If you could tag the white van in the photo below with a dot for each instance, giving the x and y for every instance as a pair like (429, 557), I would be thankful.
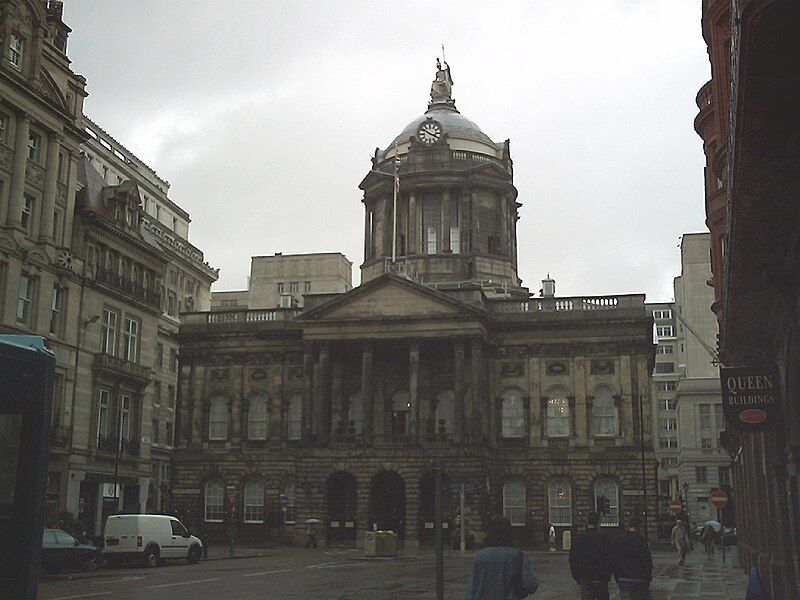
(149, 538)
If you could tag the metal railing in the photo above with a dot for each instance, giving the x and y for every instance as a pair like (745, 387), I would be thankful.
(130, 288)
(110, 443)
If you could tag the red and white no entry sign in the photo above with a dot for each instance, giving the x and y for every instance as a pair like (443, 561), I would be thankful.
(719, 498)
(675, 506)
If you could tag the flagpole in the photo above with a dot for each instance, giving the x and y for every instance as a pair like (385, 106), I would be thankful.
(394, 205)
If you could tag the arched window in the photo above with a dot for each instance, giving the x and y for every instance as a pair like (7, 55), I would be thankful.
(558, 418)
(214, 501)
(444, 412)
(218, 419)
(257, 418)
(254, 502)
(512, 414)
(608, 491)
(295, 416)
(355, 414)
(514, 501)
(287, 501)
(603, 412)
(559, 494)
(401, 412)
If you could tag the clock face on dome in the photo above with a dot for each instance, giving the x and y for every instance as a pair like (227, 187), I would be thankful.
(429, 132)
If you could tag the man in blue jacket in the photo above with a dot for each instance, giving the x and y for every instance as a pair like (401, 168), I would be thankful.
(590, 560)
(632, 563)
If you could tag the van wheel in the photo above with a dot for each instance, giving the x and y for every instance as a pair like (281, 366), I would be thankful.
(151, 556)
(194, 555)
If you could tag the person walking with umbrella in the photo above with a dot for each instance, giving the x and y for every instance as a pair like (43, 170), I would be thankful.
(311, 533)
(709, 536)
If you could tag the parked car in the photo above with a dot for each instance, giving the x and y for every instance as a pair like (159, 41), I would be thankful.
(62, 551)
(150, 539)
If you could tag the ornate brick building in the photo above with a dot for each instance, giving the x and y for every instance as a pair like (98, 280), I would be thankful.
(335, 411)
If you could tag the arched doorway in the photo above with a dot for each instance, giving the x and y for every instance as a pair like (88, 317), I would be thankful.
(427, 509)
(342, 503)
(388, 503)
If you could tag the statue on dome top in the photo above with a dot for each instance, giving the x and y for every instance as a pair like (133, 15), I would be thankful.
(442, 86)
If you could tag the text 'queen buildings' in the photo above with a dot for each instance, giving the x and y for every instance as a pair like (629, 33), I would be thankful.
(336, 411)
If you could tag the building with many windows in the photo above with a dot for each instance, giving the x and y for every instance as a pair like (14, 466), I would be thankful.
(94, 257)
(541, 405)
(283, 280)
(686, 391)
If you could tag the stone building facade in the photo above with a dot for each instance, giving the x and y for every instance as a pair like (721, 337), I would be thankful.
(336, 410)
(749, 127)
(93, 257)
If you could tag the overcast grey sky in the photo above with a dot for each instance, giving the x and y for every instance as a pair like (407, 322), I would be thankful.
(264, 115)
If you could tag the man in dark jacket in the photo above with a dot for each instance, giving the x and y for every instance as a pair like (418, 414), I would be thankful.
(632, 563)
(590, 560)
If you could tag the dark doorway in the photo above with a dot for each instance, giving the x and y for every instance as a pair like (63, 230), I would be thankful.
(342, 503)
(427, 508)
(87, 505)
(388, 503)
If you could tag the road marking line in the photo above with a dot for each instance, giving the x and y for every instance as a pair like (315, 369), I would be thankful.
(320, 565)
(268, 572)
(119, 579)
(163, 585)
(84, 596)
(354, 564)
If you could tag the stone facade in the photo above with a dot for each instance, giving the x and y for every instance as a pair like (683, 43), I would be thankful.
(336, 410)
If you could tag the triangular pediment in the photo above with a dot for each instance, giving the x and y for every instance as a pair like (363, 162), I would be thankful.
(390, 297)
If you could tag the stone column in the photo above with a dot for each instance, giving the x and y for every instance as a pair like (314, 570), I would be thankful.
(49, 196)
(363, 523)
(367, 233)
(475, 429)
(582, 415)
(503, 233)
(413, 387)
(412, 510)
(465, 225)
(324, 395)
(367, 393)
(412, 246)
(474, 224)
(386, 245)
(446, 220)
(307, 416)
(71, 177)
(459, 388)
(17, 190)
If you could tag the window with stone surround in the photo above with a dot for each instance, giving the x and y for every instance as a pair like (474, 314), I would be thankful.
(512, 414)
(604, 414)
(295, 416)
(218, 419)
(558, 413)
(559, 495)
(257, 418)
(432, 223)
(355, 414)
(287, 501)
(608, 489)
(514, 501)
(444, 411)
(254, 502)
(214, 498)
(16, 47)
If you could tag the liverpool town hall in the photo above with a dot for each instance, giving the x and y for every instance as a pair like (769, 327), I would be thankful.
(336, 411)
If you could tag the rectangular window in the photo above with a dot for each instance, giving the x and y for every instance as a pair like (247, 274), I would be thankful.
(665, 367)
(432, 224)
(705, 444)
(108, 342)
(667, 403)
(25, 299)
(3, 128)
(662, 314)
(665, 349)
(159, 354)
(156, 393)
(701, 474)
(33, 147)
(669, 424)
(173, 360)
(663, 331)
(56, 310)
(455, 230)
(307, 287)
(294, 286)
(668, 442)
(719, 419)
(254, 502)
(664, 488)
(131, 340)
(15, 49)
(26, 218)
(170, 396)
(102, 413)
(295, 416)
(169, 433)
(125, 417)
(154, 434)
(279, 287)
(705, 416)
(666, 386)
(171, 303)
(724, 475)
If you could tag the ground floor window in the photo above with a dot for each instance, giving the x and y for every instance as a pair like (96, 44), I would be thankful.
(254, 502)
(214, 502)
(514, 501)
(560, 503)
(608, 491)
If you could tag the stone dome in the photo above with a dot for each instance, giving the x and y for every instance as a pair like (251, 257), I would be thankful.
(455, 125)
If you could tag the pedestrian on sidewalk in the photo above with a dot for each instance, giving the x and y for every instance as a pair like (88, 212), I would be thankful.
(632, 563)
(500, 572)
(680, 539)
(709, 539)
(590, 560)
(311, 537)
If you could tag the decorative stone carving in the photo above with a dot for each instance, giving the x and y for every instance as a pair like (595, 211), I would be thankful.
(64, 259)
(557, 368)
(258, 374)
(602, 366)
(6, 157)
(296, 373)
(219, 374)
(61, 194)
(512, 369)
(34, 174)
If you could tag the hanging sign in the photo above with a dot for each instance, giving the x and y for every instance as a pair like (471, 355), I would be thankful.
(750, 397)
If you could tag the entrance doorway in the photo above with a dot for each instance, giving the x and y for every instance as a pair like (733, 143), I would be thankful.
(427, 509)
(342, 503)
(388, 503)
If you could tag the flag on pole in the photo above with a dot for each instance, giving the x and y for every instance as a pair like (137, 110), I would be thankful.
(397, 163)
